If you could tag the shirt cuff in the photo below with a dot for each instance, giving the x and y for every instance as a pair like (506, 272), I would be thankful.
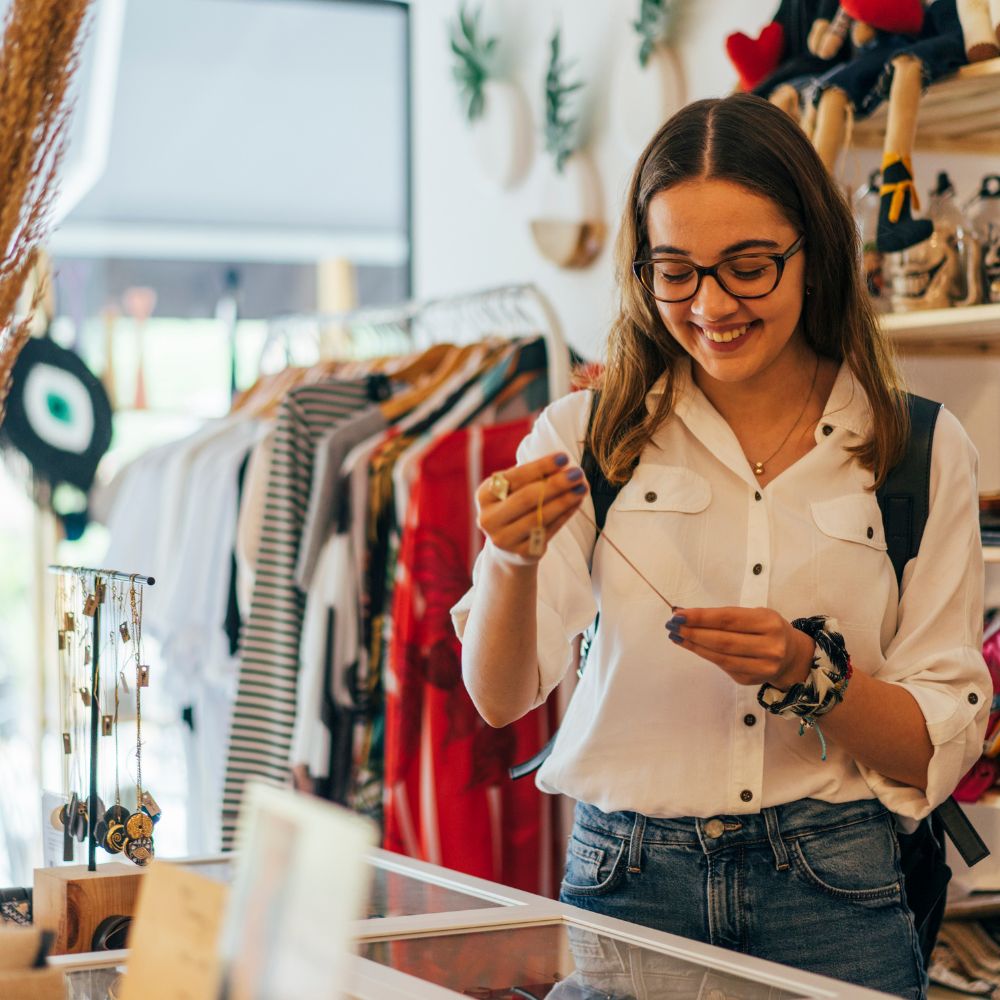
(956, 725)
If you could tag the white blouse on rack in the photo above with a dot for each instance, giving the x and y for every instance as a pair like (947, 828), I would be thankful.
(653, 727)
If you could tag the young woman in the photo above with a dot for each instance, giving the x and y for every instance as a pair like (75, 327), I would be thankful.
(750, 406)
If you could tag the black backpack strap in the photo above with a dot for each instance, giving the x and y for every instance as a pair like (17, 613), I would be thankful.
(602, 493)
(904, 497)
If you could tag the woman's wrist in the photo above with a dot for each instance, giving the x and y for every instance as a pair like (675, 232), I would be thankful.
(802, 660)
(509, 560)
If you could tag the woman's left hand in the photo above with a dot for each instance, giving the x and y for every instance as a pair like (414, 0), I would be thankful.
(752, 645)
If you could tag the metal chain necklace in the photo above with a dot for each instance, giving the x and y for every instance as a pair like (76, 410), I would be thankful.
(758, 467)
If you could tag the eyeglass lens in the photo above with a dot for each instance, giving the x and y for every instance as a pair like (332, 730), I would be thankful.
(674, 280)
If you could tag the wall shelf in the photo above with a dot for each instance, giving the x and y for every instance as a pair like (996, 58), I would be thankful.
(960, 114)
(973, 330)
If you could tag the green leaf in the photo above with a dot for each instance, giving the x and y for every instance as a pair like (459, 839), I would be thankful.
(473, 56)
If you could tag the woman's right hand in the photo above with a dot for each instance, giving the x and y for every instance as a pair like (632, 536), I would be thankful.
(508, 522)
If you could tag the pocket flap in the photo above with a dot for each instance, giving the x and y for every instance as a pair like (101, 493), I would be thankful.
(852, 518)
(665, 487)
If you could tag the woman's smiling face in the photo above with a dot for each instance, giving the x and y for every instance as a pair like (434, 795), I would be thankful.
(703, 221)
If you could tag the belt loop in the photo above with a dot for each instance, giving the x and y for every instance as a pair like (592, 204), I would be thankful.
(635, 843)
(774, 838)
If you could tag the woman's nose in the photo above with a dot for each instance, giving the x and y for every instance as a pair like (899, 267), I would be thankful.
(712, 300)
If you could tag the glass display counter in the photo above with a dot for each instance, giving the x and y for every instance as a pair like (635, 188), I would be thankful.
(433, 934)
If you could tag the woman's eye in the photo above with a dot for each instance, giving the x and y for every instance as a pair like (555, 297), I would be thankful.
(747, 275)
(676, 274)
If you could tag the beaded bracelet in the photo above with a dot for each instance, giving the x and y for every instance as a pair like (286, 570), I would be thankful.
(826, 684)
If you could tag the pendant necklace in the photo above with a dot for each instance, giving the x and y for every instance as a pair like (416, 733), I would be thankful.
(758, 467)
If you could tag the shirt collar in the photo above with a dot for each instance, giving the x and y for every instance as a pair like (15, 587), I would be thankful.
(847, 406)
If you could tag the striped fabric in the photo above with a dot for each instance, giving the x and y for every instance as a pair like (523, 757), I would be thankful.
(264, 712)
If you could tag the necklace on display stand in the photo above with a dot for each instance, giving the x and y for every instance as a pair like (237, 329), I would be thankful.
(112, 828)
(139, 826)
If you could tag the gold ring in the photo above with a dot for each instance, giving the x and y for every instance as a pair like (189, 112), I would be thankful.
(499, 486)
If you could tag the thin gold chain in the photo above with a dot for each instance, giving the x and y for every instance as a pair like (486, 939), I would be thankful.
(641, 575)
(758, 467)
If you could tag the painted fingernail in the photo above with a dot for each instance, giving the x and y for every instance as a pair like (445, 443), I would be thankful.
(562, 459)
(676, 621)
(580, 488)
(674, 637)
(574, 474)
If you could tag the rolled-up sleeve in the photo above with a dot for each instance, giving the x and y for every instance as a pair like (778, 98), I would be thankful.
(566, 604)
(936, 653)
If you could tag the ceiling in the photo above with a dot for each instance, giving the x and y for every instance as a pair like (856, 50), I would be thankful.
(239, 129)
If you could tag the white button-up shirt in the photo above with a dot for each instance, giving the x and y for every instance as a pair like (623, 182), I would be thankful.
(654, 728)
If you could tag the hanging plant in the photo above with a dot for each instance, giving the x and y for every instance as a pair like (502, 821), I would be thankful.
(38, 56)
(474, 61)
(561, 130)
(656, 25)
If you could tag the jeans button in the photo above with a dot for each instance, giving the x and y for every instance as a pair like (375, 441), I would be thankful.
(714, 828)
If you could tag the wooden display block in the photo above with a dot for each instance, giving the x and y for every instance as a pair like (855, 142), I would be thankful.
(72, 901)
(37, 984)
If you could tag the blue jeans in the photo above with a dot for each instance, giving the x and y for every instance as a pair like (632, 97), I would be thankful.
(808, 884)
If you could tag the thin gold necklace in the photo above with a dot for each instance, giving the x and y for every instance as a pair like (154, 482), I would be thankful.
(758, 467)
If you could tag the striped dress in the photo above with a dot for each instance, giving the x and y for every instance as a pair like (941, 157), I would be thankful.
(264, 712)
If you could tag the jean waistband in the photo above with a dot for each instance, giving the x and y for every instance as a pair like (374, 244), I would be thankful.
(801, 818)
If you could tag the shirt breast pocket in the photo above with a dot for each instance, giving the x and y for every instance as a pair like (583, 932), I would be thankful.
(849, 559)
(659, 521)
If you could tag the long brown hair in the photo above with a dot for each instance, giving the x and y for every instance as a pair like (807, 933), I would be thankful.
(745, 140)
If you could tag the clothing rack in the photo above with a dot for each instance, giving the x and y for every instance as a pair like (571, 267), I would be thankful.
(505, 310)
(99, 576)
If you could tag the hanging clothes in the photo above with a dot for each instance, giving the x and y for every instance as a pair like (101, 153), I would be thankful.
(264, 713)
(448, 797)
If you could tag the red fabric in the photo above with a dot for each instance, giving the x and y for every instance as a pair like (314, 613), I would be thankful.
(448, 797)
(756, 58)
(904, 17)
(979, 779)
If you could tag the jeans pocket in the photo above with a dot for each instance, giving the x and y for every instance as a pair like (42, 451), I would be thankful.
(595, 863)
(856, 862)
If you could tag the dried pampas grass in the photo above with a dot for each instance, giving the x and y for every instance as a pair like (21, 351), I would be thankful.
(38, 56)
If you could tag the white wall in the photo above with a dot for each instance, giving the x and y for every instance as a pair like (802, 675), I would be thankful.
(469, 234)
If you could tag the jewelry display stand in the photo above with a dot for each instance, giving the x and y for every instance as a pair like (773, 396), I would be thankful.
(73, 900)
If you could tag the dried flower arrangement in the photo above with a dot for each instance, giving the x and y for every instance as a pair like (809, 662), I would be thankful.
(38, 55)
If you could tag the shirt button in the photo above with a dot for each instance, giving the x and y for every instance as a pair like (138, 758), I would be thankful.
(746, 795)
(758, 569)
(870, 532)
(827, 429)
(650, 497)
(750, 720)
(973, 699)
(757, 495)
(714, 828)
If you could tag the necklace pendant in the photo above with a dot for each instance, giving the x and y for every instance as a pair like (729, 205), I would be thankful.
(758, 468)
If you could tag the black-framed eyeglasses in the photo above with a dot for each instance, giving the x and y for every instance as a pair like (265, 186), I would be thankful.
(744, 275)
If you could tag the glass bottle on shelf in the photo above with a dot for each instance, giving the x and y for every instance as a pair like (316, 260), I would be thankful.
(952, 226)
(984, 216)
(866, 203)
(933, 274)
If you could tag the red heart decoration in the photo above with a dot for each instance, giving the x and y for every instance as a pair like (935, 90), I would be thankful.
(756, 58)
(903, 17)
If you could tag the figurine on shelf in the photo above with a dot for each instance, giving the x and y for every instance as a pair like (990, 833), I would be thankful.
(981, 24)
(912, 46)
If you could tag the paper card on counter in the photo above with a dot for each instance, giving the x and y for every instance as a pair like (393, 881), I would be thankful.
(174, 938)
(301, 880)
